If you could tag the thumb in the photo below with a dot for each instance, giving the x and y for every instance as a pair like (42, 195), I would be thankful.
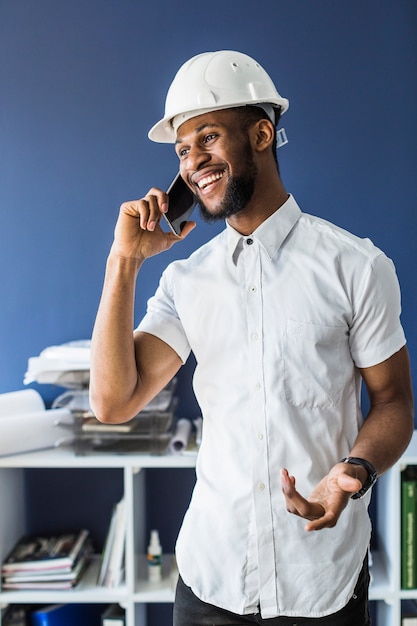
(172, 238)
(349, 484)
(188, 227)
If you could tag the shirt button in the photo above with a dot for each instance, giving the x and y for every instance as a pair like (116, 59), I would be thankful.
(260, 436)
(249, 241)
(254, 336)
(257, 386)
(261, 487)
(253, 288)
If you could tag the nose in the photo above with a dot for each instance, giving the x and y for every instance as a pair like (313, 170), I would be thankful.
(197, 158)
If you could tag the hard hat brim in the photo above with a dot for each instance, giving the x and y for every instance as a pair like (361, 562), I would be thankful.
(164, 132)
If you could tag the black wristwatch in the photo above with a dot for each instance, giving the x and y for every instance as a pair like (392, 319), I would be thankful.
(372, 475)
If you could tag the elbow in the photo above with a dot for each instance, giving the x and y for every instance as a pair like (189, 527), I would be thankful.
(108, 411)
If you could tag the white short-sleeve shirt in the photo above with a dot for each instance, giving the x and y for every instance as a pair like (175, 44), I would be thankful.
(279, 322)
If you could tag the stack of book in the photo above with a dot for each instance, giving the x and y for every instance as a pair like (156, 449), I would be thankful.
(47, 562)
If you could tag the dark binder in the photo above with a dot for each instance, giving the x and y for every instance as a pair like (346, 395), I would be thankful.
(68, 615)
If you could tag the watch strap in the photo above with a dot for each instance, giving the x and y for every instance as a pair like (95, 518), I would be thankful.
(372, 474)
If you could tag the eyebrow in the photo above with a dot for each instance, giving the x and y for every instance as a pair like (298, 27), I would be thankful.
(199, 129)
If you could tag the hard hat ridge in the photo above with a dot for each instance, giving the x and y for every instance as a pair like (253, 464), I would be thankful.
(212, 81)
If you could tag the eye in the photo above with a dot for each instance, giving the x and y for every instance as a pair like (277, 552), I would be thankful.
(209, 137)
(182, 152)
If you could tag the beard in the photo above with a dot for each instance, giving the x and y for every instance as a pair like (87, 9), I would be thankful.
(239, 191)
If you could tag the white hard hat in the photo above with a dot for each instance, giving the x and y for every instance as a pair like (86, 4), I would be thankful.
(212, 81)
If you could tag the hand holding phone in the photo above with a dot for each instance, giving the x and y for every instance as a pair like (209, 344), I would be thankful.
(181, 203)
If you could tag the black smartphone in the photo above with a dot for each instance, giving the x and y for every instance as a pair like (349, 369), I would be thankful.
(180, 205)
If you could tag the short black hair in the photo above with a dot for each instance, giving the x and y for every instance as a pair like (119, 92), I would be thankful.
(249, 114)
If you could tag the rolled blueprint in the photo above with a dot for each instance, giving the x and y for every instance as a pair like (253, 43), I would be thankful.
(24, 401)
(25, 424)
(198, 424)
(181, 436)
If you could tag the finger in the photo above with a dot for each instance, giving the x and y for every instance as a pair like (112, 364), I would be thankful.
(295, 502)
(328, 520)
(152, 206)
(130, 209)
(287, 482)
(149, 213)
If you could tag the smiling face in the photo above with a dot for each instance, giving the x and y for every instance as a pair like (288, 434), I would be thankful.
(216, 160)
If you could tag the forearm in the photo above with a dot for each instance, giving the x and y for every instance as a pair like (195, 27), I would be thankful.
(389, 425)
(113, 373)
(384, 435)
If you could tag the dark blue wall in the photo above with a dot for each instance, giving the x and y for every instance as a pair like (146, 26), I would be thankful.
(82, 81)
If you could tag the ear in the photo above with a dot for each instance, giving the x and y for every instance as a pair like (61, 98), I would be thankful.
(263, 133)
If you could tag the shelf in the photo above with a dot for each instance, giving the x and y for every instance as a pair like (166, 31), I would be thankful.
(58, 457)
(138, 591)
(162, 591)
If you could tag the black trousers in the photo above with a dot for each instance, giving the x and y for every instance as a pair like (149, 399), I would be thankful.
(190, 611)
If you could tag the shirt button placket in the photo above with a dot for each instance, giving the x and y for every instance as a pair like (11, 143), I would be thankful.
(260, 476)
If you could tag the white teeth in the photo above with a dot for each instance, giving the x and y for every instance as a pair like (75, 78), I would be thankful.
(209, 179)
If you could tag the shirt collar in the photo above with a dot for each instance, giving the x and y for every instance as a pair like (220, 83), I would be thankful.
(271, 233)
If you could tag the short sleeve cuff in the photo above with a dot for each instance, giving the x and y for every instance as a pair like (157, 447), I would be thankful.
(168, 331)
(374, 355)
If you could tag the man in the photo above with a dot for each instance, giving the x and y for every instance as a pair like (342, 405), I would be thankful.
(286, 314)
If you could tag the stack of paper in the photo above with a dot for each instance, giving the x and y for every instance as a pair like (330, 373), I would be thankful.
(65, 365)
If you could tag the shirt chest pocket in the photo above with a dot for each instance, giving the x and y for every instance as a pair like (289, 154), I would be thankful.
(317, 363)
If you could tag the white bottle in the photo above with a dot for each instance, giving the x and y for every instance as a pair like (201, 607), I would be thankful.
(154, 558)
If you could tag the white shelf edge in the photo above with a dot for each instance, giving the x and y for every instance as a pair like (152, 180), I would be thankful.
(66, 458)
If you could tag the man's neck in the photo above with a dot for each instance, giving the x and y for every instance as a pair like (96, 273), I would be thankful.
(263, 204)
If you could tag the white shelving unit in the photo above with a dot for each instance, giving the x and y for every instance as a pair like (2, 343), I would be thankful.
(386, 586)
(137, 592)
